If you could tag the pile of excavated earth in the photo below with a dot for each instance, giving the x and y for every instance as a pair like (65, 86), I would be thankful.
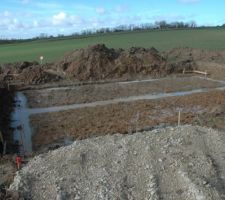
(210, 61)
(175, 163)
(97, 63)
(101, 63)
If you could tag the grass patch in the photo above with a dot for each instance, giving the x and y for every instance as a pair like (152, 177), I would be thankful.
(52, 50)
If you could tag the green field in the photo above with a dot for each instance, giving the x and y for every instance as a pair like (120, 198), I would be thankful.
(211, 38)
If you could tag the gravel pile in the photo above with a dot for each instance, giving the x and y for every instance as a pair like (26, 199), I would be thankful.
(173, 163)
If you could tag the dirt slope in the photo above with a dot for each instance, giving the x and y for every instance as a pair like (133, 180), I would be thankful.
(211, 61)
(27, 73)
(197, 55)
(172, 164)
(37, 75)
(99, 62)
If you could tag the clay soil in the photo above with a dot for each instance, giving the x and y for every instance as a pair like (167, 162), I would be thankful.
(203, 109)
(92, 93)
(211, 61)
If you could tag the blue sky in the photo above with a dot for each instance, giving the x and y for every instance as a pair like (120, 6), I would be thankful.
(30, 18)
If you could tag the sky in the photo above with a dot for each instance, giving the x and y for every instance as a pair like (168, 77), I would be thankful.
(30, 18)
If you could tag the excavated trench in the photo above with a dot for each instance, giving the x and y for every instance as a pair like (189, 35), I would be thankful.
(6, 107)
(22, 133)
(20, 117)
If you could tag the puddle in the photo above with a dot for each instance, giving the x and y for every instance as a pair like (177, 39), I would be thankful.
(21, 125)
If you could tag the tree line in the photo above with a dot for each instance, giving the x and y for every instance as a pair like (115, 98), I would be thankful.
(158, 25)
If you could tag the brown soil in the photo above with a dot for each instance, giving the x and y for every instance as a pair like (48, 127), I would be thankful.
(15, 68)
(99, 62)
(37, 75)
(196, 55)
(91, 93)
(26, 73)
(127, 117)
(211, 61)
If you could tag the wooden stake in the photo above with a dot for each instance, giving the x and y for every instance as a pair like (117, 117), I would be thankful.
(178, 119)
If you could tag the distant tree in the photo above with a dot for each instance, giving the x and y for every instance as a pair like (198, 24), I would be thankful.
(60, 36)
(192, 24)
(161, 24)
(43, 36)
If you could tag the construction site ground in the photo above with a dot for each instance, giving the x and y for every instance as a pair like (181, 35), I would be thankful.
(65, 107)
(52, 127)
(98, 92)
(182, 163)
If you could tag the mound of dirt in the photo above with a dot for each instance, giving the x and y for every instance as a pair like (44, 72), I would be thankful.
(95, 63)
(180, 54)
(27, 73)
(140, 61)
(15, 68)
(211, 61)
(173, 163)
(36, 75)
(99, 62)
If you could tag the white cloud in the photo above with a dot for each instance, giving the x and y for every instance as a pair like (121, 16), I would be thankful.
(59, 18)
(35, 23)
(10, 22)
(6, 13)
(64, 20)
(188, 1)
(101, 10)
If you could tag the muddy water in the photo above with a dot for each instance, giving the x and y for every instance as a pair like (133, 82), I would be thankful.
(21, 125)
